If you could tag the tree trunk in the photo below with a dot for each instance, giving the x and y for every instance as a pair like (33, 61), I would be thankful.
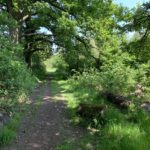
(28, 59)
(14, 34)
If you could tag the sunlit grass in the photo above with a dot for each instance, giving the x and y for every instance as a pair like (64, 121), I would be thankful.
(123, 137)
(118, 133)
(49, 67)
(62, 89)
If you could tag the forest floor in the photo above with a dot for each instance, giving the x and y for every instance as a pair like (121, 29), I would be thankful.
(48, 126)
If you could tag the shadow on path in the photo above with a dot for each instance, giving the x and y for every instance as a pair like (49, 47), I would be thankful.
(49, 126)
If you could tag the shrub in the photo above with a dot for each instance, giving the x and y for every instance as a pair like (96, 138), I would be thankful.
(15, 80)
(117, 77)
(143, 77)
(14, 75)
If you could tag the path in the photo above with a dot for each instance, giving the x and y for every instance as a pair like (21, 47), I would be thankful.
(48, 128)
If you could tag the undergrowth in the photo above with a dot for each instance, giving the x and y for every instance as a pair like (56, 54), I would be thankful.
(122, 131)
(8, 132)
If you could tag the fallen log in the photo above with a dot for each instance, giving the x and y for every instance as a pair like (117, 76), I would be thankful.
(91, 110)
(119, 101)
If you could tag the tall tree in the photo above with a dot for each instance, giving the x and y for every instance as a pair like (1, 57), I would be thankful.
(140, 24)
(71, 25)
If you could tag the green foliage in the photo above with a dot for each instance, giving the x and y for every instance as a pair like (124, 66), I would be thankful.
(16, 80)
(123, 137)
(113, 115)
(86, 34)
(38, 67)
(14, 122)
(142, 119)
(62, 68)
(88, 79)
(14, 75)
(8, 132)
(87, 143)
(119, 131)
(139, 46)
(6, 136)
(6, 22)
(144, 77)
(118, 77)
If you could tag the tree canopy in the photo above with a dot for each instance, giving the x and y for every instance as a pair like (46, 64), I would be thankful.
(68, 25)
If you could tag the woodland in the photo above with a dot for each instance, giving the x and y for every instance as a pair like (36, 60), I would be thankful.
(96, 50)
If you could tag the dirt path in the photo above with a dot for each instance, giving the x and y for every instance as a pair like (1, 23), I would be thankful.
(48, 127)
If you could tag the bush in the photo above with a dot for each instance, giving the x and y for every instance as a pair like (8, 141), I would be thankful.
(15, 80)
(143, 77)
(117, 77)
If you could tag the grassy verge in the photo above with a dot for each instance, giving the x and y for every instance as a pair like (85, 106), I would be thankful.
(9, 131)
(118, 133)
(129, 130)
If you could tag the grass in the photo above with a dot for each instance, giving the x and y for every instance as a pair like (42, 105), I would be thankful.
(6, 136)
(62, 89)
(122, 131)
(123, 137)
(8, 132)
(86, 143)
(117, 134)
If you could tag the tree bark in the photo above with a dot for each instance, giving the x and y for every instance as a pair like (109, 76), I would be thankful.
(13, 31)
(14, 34)
(28, 59)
